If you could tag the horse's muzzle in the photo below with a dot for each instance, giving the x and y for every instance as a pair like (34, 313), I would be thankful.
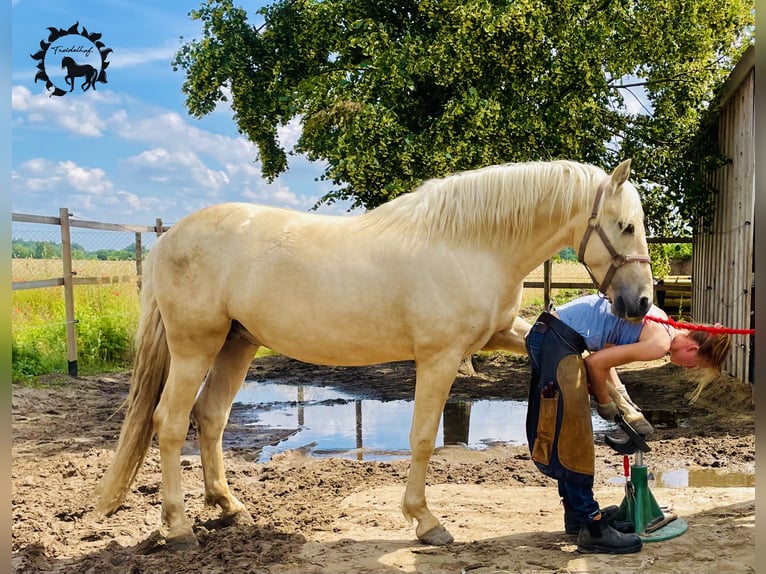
(634, 312)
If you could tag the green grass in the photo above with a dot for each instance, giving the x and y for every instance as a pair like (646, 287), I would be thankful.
(106, 318)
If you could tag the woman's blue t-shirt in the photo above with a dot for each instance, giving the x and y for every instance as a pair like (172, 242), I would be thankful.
(591, 316)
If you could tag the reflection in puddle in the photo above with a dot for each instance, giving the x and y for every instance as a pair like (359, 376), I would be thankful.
(703, 477)
(666, 419)
(696, 478)
(328, 422)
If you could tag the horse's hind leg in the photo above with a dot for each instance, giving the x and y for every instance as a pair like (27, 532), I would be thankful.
(512, 339)
(434, 379)
(171, 423)
(211, 412)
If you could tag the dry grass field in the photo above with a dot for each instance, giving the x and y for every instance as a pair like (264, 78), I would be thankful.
(37, 269)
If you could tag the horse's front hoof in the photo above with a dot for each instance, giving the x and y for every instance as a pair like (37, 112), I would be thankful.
(182, 542)
(437, 536)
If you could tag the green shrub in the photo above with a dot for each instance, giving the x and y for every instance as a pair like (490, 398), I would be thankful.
(660, 260)
(679, 251)
(566, 254)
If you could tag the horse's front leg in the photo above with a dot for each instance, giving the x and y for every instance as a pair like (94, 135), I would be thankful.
(433, 381)
(211, 412)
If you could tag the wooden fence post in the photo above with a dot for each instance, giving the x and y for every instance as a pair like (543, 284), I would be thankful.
(139, 261)
(66, 260)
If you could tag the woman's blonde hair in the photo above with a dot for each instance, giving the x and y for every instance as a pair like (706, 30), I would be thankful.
(713, 348)
(712, 352)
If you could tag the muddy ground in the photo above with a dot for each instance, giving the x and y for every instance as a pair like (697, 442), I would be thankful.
(338, 515)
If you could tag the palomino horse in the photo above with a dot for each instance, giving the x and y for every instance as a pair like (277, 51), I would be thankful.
(433, 275)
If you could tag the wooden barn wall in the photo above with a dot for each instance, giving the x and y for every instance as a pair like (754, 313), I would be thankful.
(722, 263)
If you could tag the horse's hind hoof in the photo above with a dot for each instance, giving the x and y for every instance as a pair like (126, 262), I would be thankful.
(437, 536)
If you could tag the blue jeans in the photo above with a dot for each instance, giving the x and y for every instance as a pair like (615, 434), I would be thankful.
(580, 498)
(534, 343)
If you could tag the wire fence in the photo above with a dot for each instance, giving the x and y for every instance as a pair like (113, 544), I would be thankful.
(99, 267)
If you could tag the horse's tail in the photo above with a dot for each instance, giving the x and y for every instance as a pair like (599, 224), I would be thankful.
(150, 370)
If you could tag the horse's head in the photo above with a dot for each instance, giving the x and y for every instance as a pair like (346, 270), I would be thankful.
(614, 249)
(66, 61)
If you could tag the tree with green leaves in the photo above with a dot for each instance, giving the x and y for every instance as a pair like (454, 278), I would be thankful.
(392, 93)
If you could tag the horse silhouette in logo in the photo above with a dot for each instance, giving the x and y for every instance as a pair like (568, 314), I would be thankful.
(75, 70)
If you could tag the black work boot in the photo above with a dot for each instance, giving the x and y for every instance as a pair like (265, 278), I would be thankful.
(609, 513)
(571, 523)
(598, 537)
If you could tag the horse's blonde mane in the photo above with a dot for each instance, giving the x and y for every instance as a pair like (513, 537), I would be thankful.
(496, 201)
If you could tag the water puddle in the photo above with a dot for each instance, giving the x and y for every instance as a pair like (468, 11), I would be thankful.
(695, 478)
(667, 419)
(326, 422)
(329, 423)
(702, 478)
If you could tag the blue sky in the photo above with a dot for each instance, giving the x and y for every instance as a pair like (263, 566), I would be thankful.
(129, 152)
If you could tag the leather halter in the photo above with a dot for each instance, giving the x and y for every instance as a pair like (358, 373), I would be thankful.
(618, 260)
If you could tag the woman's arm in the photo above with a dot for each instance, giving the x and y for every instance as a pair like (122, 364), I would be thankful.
(600, 365)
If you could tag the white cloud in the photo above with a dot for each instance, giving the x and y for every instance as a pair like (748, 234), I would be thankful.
(40, 174)
(91, 181)
(171, 131)
(131, 199)
(36, 165)
(288, 135)
(148, 161)
(41, 185)
(122, 58)
(181, 167)
(78, 116)
(276, 194)
(36, 176)
(20, 98)
(153, 157)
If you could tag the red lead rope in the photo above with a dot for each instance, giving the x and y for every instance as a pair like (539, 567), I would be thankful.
(692, 327)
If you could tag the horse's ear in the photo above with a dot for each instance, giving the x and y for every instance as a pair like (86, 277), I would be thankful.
(620, 174)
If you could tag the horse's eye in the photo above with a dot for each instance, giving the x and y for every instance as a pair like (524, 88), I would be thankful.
(627, 228)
